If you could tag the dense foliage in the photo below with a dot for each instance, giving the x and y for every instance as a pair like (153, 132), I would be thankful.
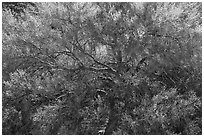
(102, 68)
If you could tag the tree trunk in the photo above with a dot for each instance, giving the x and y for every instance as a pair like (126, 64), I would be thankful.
(54, 129)
(26, 119)
(113, 118)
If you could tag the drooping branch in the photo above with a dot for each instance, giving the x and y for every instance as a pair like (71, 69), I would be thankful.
(68, 53)
(165, 36)
(78, 46)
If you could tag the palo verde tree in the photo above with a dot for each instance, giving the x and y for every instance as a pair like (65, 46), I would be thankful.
(102, 68)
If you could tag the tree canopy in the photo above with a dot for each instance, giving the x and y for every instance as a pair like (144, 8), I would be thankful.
(102, 68)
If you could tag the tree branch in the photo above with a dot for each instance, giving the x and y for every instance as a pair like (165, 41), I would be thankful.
(68, 53)
(78, 46)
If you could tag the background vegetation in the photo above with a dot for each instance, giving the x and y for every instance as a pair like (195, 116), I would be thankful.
(102, 68)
